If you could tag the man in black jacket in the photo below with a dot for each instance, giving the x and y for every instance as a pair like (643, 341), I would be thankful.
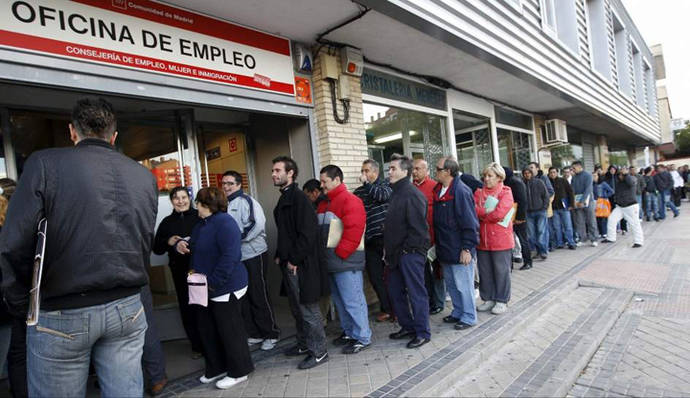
(406, 241)
(520, 223)
(297, 254)
(626, 208)
(563, 201)
(664, 184)
(537, 203)
(101, 209)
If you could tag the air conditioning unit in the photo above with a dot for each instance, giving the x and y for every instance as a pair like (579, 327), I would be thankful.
(556, 132)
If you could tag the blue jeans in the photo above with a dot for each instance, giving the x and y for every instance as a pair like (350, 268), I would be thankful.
(562, 224)
(537, 225)
(460, 285)
(347, 293)
(665, 200)
(639, 203)
(61, 346)
(652, 205)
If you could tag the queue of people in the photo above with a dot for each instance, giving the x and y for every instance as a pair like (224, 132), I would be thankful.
(419, 240)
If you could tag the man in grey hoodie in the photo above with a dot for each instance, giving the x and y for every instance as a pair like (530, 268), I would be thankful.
(584, 220)
(259, 318)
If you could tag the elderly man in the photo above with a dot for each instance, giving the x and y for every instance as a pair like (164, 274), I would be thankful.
(433, 274)
(375, 194)
(457, 232)
(406, 241)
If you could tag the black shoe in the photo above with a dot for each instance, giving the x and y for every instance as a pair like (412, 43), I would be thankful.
(572, 247)
(607, 241)
(636, 245)
(296, 351)
(543, 256)
(676, 215)
(462, 326)
(311, 361)
(450, 319)
(517, 260)
(401, 334)
(435, 310)
(343, 340)
(355, 347)
(417, 342)
(526, 267)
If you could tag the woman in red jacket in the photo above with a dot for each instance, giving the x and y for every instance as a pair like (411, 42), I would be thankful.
(494, 206)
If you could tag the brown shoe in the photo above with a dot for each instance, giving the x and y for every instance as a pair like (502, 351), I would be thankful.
(157, 388)
(383, 317)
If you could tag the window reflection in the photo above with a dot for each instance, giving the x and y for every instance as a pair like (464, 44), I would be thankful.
(392, 130)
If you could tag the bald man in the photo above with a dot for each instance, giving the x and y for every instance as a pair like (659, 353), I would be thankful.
(432, 275)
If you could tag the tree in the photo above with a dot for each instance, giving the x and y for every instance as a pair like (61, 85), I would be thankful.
(683, 140)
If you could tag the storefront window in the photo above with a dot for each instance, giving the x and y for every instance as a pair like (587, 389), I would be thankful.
(565, 155)
(511, 118)
(514, 148)
(394, 130)
(473, 142)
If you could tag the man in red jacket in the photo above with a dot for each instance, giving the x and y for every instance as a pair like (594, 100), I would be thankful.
(432, 275)
(345, 258)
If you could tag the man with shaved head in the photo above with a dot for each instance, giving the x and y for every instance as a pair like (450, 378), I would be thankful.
(432, 274)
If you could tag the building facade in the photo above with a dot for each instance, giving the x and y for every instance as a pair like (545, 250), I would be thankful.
(204, 87)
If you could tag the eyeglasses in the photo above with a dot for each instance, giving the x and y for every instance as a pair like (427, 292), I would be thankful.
(439, 169)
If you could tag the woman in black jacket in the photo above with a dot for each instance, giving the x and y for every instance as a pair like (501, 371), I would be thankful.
(178, 225)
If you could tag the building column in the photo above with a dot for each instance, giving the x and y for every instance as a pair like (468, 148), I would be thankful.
(602, 151)
(344, 145)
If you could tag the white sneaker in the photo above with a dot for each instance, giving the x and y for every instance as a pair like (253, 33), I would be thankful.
(476, 294)
(448, 297)
(205, 380)
(578, 244)
(486, 306)
(269, 344)
(252, 341)
(595, 244)
(228, 382)
(499, 308)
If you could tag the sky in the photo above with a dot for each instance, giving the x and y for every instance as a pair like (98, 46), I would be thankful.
(665, 22)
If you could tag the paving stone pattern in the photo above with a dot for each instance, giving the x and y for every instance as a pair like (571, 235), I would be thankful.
(509, 362)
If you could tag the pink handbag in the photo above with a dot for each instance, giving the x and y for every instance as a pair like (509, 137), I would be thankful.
(198, 289)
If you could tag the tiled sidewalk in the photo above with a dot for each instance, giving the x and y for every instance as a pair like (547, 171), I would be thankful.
(364, 373)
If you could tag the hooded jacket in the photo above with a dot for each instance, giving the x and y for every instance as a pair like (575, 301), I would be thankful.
(249, 216)
(346, 207)
(625, 190)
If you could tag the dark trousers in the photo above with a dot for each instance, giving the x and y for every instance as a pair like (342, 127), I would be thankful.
(259, 318)
(224, 338)
(16, 360)
(521, 232)
(494, 275)
(407, 290)
(373, 250)
(602, 225)
(187, 312)
(152, 359)
(308, 321)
